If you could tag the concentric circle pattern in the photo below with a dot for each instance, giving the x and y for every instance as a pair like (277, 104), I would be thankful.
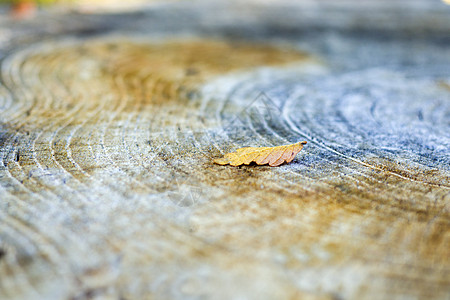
(107, 186)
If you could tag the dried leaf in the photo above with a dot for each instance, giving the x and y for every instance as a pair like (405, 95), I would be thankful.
(274, 156)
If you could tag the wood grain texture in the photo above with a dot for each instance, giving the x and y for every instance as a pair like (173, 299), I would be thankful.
(109, 126)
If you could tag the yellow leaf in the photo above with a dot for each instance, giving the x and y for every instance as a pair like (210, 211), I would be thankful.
(274, 156)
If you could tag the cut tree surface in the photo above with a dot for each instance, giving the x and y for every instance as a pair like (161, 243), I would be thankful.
(109, 125)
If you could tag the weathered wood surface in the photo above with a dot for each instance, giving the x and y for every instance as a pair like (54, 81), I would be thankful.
(110, 124)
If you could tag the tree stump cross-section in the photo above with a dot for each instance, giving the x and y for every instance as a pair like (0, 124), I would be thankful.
(109, 125)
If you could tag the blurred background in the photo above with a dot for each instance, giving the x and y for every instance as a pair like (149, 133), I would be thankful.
(28, 8)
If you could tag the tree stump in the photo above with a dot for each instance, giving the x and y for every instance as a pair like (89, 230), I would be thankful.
(109, 125)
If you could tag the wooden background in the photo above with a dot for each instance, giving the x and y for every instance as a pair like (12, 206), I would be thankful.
(109, 124)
